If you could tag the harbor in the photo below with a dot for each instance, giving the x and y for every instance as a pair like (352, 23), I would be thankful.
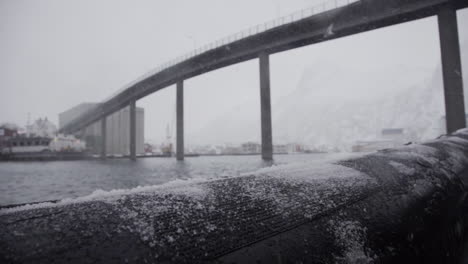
(257, 132)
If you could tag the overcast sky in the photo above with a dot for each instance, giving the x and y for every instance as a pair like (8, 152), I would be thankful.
(56, 54)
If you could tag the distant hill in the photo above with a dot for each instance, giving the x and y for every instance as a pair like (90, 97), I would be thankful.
(334, 106)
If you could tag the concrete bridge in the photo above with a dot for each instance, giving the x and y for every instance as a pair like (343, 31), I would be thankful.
(334, 19)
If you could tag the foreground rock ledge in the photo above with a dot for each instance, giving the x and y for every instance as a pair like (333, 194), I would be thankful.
(398, 205)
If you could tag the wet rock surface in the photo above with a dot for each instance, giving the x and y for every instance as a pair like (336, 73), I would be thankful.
(400, 204)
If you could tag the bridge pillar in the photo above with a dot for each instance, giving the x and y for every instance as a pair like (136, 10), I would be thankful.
(103, 137)
(265, 107)
(133, 130)
(180, 120)
(451, 69)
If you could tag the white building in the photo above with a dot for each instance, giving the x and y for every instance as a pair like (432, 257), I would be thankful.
(390, 138)
(394, 134)
(251, 148)
(280, 149)
(42, 128)
(117, 126)
(62, 143)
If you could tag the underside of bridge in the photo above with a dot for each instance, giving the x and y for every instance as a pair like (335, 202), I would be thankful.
(354, 18)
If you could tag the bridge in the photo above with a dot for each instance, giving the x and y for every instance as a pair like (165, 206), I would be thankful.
(331, 20)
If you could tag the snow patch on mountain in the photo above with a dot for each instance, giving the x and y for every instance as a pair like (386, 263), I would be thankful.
(336, 105)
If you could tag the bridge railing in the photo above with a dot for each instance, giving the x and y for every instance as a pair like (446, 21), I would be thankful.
(257, 29)
(296, 16)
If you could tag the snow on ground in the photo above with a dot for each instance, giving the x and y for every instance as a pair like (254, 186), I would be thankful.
(351, 236)
(297, 171)
(297, 191)
(177, 187)
(410, 152)
(402, 168)
(462, 131)
(311, 170)
(458, 158)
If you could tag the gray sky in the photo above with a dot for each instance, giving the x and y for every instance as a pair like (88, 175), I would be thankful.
(58, 53)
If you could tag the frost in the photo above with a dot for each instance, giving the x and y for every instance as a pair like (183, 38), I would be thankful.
(310, 170)
(457, 159)
(178, 187)
(420, 152)
(170, 239)
(210, 227)
(140, 225)
(458, 140)
(27, 207)
(462, 131)
(402, 168)
(316, 186)
(350, 235)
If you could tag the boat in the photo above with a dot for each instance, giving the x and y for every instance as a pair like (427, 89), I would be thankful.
(60, 147)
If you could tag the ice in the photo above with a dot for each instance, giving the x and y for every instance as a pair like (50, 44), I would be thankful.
(412, 152)
(462, 131)
(179, 187)
(402, 168)
(351, 236)
(311, 170)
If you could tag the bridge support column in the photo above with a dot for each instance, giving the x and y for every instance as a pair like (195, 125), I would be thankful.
(133, 130)
(103, 137)
(451, 69)
(265, 107)
(180, 120)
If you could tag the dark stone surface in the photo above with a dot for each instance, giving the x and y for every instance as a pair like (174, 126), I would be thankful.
(406, 204)
(418, 214)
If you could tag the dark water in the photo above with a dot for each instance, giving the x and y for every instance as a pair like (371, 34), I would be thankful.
(22, 182)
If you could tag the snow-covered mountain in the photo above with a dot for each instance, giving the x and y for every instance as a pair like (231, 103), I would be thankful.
(333, 106)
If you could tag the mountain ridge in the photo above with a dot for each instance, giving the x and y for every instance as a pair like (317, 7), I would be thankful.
(321, 113)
